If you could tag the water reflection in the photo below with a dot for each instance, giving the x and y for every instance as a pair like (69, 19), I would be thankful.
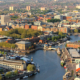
(49, 63)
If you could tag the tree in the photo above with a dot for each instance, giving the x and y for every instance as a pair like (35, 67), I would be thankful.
(76, 30)
(16, 72)
(0, 77)
(31, 67)
(60, 33)
(53, 20)
(48, 38)
(8, 74)
(65, 45)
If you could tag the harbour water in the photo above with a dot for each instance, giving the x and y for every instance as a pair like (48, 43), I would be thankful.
(49, 62)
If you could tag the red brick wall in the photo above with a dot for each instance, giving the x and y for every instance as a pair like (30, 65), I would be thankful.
(68, 17)
(26, 26)
(34, 27)
(73, 45)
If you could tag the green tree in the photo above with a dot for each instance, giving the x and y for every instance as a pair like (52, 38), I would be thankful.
(53, 20)
(0, 77)
(48, 38)
(8, 74)
(31, 67)
(16, 72)
(76, 30)
(60, 33)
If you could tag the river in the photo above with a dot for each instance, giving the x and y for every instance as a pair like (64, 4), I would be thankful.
(49, 62)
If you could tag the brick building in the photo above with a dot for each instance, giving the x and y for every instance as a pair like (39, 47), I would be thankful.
(73, 45)
(34, 27)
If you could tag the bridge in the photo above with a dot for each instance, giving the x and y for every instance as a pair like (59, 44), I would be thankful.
(51, 48)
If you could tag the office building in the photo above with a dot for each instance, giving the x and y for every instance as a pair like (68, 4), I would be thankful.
(5, 19)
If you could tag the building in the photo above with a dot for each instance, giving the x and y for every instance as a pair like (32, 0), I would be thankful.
(5, 19)
(77, 67)
(12, 64)
(57, 17)
(63, 29)
(42, 8)
(75, 56)
(77, 78)
(11, 8)
(34, 27)
(73, 45)
(2, 28)
(28, 8)
(23, 45)
(38, 23)
(27, 26)
(14, 26)
(78, 6)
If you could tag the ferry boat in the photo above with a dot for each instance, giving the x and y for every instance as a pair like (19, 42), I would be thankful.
(62, 63)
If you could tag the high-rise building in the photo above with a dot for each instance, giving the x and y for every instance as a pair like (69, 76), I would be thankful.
(28, 8)
(11, 8)
(5, 19)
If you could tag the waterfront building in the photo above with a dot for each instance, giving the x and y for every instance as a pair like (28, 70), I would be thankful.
(12, 64)
(73, 45)
(23, 45)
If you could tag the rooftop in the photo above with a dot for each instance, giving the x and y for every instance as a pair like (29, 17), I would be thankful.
(74, 53)
(23, 42)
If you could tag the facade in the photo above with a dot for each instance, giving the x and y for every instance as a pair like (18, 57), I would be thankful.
(10, 64)
(34, 27)
(11, 8)
(42, 8)
(57, 17)
(23, 45)
(14, 26)
(28, 8)
(78, 6)
(5, 19)
(38, 23)
(73, 45)
(63, 29)
(40, 28)
(27, 26)
(76, 78)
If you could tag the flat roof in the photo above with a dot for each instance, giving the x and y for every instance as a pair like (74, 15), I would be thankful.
(74, 53)
(23, 42)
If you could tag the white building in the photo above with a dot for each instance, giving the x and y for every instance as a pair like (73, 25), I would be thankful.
(78, 6)
(5, 19)
(77, 78)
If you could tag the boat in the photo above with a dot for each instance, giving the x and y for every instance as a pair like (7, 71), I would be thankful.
(65, 67)
(25, 77)
(30, 75)
(17, 79)
(38, 70)
(35, 72)
(62, 63)
(58, 51)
